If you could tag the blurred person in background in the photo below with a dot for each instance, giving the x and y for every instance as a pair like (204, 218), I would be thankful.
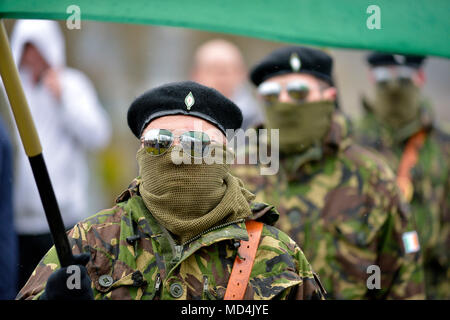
(70, 122)
(337, 200)
(398, 123)
(219, 64)
(8, 238)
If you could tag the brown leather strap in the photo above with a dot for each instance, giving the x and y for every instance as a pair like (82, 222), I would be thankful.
(243, 264)
(407, 162)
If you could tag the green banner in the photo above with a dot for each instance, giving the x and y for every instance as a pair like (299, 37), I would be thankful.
(400, 26)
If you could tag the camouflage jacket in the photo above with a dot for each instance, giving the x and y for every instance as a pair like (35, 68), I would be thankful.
(140, 259)
(430, 177)
(344, 210)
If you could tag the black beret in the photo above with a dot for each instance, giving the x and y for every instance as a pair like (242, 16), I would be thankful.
(382, 59)
(293, 59)
(183, 98)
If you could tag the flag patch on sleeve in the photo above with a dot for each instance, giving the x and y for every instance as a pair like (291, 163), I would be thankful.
(411, 241)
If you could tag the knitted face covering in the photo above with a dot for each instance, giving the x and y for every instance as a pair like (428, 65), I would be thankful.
(188, 199)
(301, 125)
(397, 104)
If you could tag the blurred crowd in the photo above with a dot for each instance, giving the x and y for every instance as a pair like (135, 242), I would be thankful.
(86, 147)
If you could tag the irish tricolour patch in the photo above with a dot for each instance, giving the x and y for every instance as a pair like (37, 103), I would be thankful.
(411, 241)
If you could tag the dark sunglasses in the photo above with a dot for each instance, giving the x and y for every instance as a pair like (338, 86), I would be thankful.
(270, 91)
(158, 141)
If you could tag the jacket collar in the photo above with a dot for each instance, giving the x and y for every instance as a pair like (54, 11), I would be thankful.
(390, 136)
(172, 252)
(336, 140)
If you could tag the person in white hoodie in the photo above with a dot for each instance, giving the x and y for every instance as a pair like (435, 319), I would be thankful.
(70, 122)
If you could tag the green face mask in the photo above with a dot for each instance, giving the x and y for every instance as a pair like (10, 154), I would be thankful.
(397, 103)
(301, 125)
(188, 199)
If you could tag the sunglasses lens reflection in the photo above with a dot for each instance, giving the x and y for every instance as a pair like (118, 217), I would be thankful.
(195, 143)
(157, 141)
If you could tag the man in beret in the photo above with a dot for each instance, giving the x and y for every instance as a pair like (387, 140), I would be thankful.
(398, 123)
(182, 227)
(336, 199)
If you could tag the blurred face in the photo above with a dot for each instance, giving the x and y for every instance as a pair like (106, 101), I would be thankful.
(300, 106)
(221, 75)
(397, 94)
(384, 74)
(33, 61)
(179, 124)
(295, 88)
(219, 65)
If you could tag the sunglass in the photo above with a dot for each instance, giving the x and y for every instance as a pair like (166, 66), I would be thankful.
(402, 74)
(158, 141)
(270, 91)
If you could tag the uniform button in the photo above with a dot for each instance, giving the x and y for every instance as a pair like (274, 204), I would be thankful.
(176, 290)
(105, 280)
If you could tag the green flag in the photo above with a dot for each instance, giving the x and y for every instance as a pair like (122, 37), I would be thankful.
(400, 26)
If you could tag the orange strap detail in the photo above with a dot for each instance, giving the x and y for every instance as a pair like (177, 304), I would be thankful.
(242, 268)
(407, 162)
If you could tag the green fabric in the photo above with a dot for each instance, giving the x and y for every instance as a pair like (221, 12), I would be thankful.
(415, 27)
(301, 125)
(188, 199)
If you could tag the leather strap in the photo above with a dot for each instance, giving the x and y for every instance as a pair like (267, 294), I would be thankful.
(243, 264)
(407, 162)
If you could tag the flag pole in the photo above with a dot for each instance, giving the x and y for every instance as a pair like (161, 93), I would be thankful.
(33, 149)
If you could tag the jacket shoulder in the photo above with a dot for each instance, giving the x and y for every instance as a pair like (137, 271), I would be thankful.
(94, 231)
(111, 215)
(442, 137)
(368, 160)
(281, 269)
(264, 213)
(102, 231)
(377, 182)
(278, 248)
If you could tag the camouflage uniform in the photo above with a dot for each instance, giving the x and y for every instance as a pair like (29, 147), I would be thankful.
(344, 210)
(430, 203)
(127, 244)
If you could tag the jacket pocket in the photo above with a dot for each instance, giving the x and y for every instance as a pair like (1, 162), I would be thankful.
(113, 279)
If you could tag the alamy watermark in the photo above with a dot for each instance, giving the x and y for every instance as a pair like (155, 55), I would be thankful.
(74, 280)
(250, 147)
(374, 280)
(73, 21)
(374, 20)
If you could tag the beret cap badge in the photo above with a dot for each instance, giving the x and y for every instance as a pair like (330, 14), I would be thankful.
(295, 62)
(189, 101)
(293, 59)
(399, 58)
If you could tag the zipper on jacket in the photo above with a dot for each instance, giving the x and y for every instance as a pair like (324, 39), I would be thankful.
(205, 287)
(157, 285)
